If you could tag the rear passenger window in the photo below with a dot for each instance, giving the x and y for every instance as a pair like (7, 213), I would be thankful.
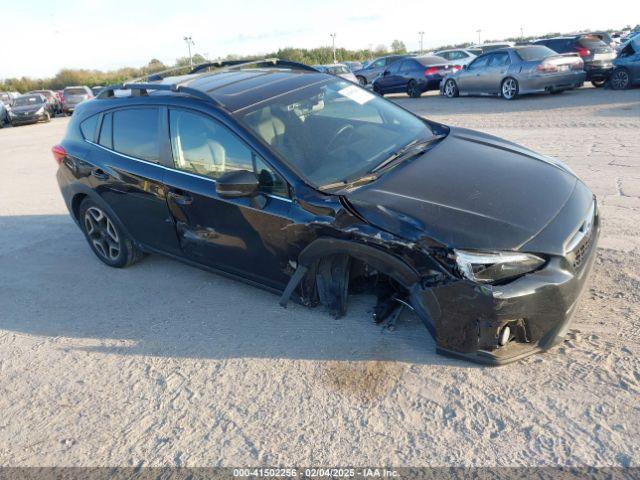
(88, 128)
(106, 131)
(135, 133)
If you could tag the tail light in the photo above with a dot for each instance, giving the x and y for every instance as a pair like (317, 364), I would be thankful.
(431, 71)
(58, 153)
(546, 68)
(456, 68)
(584, 52)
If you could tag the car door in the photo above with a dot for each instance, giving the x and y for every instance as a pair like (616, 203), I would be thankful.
(409, 70)
(469, 79)
(126, 172)
(375, 69)
(241, 236)
(494, 72)
(390, 79)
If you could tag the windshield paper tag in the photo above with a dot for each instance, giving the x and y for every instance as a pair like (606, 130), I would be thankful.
(356, 94)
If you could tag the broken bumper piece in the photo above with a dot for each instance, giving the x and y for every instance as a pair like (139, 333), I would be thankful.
(496, 325)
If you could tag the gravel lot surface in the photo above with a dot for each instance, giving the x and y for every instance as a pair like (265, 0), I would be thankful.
(164, 364)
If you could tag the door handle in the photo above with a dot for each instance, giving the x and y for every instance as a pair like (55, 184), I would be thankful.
(99, 174)
(180, 197)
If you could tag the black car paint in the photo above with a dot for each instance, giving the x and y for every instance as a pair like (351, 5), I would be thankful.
(396, 77)
(282, 243)
(25, 114)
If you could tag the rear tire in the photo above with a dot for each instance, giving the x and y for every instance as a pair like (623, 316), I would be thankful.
(510, 88)
(555, 92)
(450, 89)
(413, 90)
(361, 80)
(107, 240)
(598, 83)
(620, 79)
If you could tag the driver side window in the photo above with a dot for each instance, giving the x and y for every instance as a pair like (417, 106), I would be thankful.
(479, 62)
(394, 68)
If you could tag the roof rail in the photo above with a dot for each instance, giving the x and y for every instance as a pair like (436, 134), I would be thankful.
(155, 76)
(258, 63)
(142, 89)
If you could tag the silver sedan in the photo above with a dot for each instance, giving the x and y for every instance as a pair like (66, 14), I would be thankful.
(514, 71)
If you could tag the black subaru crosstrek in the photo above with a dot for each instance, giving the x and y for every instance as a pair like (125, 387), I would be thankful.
(314, 188)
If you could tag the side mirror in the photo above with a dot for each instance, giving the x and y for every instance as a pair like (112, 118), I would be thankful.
(385, 73)
(241, 183)
(465, 66)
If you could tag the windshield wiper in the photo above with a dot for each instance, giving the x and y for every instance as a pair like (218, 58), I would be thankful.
(411, 149)
(345, 184)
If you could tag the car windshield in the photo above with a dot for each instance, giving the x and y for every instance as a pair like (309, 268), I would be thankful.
(336, 69)
(75, 91)
(28, 100)
(538, 52)
(334, 131)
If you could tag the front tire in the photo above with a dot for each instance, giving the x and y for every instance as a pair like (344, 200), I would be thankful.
(510, 88)
(361, 80)
(598, 83)
(377, 90)
(450, 89)
(413, 90)
(107, 240)
(620, 79)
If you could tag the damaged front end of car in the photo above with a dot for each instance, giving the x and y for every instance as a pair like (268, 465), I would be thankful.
(525, 309)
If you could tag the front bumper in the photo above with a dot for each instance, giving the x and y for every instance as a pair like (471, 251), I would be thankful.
(552, 82)
(431, 82)
(538, 307)
(26, 119)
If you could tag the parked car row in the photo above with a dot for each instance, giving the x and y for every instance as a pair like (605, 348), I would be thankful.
(40, 105)
(550, 65)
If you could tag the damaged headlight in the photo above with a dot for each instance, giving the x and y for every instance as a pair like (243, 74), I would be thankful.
(489, 267)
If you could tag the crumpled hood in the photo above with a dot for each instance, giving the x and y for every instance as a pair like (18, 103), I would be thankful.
(471, 190)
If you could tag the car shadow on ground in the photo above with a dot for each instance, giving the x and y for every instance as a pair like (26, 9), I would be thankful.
(52, 285)
(434, 104)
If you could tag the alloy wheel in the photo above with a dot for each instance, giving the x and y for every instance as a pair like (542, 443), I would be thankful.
(509, 88)
(620, 80)
(413, 90)
(450, 89)
(102, 233)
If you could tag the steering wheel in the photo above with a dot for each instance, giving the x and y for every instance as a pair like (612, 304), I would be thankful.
(342, 131)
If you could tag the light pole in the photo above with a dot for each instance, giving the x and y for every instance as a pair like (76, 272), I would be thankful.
(333, 46)
(478, 32)
(521, 34)
(190, 42)
(421, 38)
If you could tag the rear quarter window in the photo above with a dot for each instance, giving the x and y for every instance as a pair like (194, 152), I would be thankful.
(88, 128)
(136, 132)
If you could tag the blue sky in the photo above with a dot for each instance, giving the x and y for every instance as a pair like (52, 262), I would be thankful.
(107, 34)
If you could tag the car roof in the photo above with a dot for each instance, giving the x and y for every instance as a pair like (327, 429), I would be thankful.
(238, 89)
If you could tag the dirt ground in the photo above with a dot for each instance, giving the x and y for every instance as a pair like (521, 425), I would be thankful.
(164, 364)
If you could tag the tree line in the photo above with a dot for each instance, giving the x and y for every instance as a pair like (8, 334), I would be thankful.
(92, 78)
(313, 56)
